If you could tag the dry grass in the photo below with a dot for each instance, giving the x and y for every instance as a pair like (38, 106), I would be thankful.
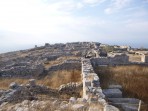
(58, 61)
(53, 81)
(61, 77)
(133, 79)
(5, 82)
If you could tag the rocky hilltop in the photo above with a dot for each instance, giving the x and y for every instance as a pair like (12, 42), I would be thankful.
(30, 63)
(68, 70)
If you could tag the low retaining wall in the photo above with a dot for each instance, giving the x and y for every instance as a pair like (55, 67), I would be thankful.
(92, 91)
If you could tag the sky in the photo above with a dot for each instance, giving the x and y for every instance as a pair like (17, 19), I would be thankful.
(26, 23)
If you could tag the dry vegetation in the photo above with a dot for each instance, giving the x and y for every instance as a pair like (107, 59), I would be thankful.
(133, 79)
(5, 82)
(58, 61)
(61, 77)
(54, 81)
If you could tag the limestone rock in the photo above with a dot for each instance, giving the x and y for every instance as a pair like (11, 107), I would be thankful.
(13, 85)
(110, 108)
(78, 107)
(72, 100)
(32, 82)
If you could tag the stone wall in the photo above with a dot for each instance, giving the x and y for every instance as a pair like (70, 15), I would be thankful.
(22, 71)
(66, 65)
(144, 58)
(115, 60)
(92, 91)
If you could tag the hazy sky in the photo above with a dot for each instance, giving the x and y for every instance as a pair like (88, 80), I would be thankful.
(24, 23)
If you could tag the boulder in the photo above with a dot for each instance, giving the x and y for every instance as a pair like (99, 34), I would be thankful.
(13, 85)
(72, 100)
(32, 82)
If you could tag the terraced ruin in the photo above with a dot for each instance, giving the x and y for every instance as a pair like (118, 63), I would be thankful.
(66, 77)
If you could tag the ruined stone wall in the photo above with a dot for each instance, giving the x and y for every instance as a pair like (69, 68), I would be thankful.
(144, 58)
(116, 60)
(22, 71)
(66, 65)
(92, 91)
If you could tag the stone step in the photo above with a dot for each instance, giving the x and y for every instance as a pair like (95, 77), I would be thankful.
(127, 104)
(124, 100)
(129, 107)
(115, 87)
(112, 93)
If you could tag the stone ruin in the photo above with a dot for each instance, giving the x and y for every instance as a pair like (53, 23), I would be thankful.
(30, 64)
(121, 59)
(92, 91)
(18, 93)
(144, 58)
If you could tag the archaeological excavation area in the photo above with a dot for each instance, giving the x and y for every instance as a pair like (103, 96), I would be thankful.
(78, 76)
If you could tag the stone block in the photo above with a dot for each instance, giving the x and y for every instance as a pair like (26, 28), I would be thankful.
(127, 104)
(124, 100)
(112, 93)
(129, 107)
(110, 108)
(115, 87)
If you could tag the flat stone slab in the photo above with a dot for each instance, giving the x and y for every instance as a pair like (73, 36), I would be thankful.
(129, 107)
(124, 100)
(127, 104)
(112, 93)
(115, 87)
